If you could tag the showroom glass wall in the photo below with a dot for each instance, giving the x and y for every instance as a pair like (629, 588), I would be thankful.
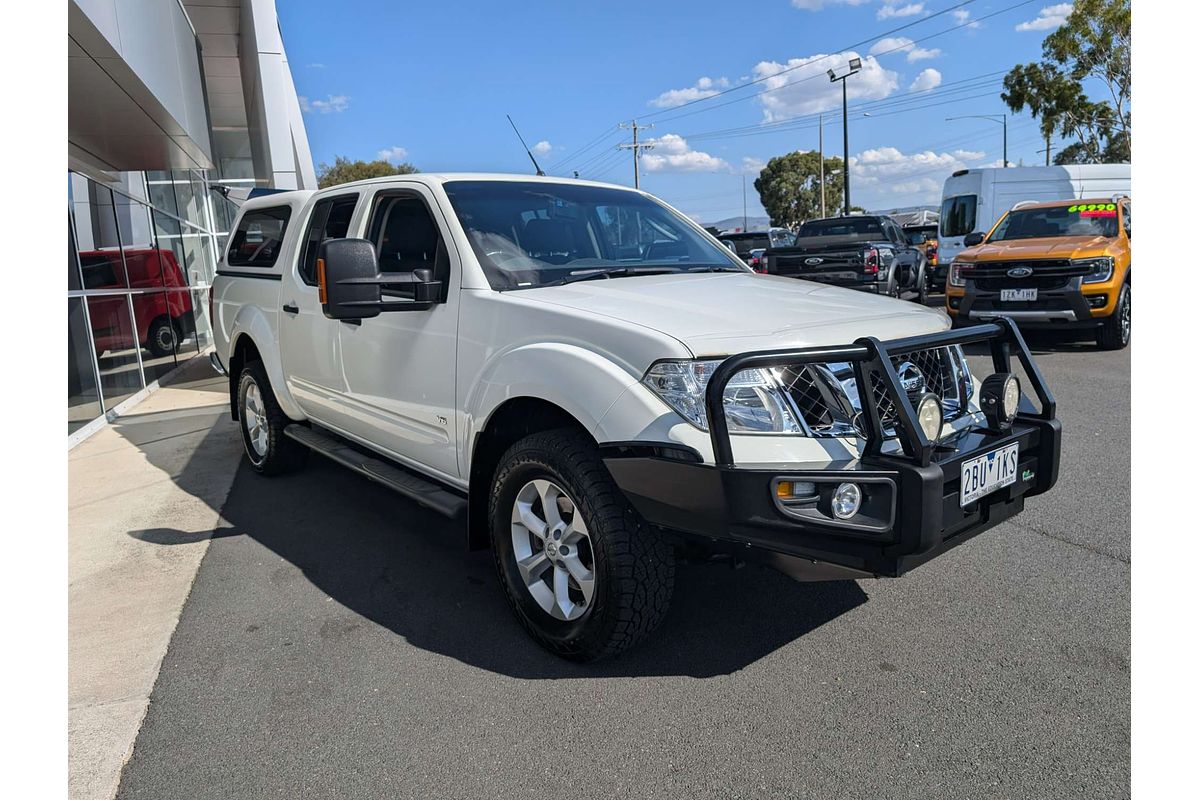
(143, 252)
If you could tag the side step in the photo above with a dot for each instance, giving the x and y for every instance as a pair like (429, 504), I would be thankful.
(420, 490)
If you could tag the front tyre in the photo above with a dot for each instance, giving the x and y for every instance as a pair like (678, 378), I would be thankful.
(1116, 331)
(262, 421)
(584, 576)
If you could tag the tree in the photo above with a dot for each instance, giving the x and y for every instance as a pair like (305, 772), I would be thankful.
(344, 170)
(1092, 45)
(789, 187)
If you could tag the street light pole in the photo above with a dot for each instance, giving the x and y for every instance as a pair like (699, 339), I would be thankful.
(821, 155)
(1001, 118)
(855, 66)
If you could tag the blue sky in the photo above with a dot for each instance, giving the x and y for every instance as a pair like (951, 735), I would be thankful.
(431, 82)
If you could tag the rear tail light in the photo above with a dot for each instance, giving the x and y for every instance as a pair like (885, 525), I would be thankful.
(758, 264)
(870, 258)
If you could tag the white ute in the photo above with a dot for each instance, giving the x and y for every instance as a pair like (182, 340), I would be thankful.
(591, 384)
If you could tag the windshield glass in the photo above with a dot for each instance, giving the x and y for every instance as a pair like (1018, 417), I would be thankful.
(528, 234)
(1085, 219)
(958, 215)
(845, 226)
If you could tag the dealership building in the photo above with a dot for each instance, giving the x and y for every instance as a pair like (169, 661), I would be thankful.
(176, 109)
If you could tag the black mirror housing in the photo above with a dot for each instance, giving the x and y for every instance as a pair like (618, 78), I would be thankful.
(972, 239)
(347, 277)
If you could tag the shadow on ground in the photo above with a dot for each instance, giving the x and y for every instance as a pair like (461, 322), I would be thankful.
(408, 570)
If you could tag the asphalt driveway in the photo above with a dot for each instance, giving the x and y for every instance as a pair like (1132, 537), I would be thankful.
(340, 642)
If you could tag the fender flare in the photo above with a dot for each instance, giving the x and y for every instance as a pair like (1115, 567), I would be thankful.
(581, 382)
(253, 323)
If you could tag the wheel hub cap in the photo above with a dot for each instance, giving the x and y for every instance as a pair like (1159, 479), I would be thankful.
(553, 550)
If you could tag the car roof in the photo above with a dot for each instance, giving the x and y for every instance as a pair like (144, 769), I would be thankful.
(433, 178)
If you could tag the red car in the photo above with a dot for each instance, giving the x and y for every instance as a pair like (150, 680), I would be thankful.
(161, 318)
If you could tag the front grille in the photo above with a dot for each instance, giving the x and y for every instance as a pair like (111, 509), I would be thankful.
(1044, 282)
(827, 395)
(1060, 268)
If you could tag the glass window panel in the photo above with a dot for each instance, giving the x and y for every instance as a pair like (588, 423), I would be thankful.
(159, 331)
(162, 192)
(83, 400)
(73, 281)
(187, 200)
(183, 311)
(98, 241)
(113, 343)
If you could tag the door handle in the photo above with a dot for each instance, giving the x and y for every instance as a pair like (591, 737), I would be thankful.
(291, 308)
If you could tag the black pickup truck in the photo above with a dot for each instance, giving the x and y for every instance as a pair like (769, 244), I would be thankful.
(864, 252)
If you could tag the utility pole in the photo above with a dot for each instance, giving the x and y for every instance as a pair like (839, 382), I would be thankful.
(1047, 150)
(637, 148)
(1000, 118)
(821, 155)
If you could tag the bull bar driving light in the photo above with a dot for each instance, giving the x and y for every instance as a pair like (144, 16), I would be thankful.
(929, 416)
(847, 499)
(999, 397)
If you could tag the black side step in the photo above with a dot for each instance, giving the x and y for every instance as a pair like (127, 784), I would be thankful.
(421, 490)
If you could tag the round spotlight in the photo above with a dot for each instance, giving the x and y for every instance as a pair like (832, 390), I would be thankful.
(929, 416)
(847, 499)
(999, 397)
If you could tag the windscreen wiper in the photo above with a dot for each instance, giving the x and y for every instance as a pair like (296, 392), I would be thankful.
(612, 272)
(717, 268)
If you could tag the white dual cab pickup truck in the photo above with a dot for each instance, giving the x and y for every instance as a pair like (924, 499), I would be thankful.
(590, 384)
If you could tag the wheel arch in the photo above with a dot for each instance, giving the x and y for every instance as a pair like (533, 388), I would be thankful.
(254, 336)
(511, 421)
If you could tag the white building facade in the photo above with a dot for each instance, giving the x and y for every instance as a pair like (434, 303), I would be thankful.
(174, 108)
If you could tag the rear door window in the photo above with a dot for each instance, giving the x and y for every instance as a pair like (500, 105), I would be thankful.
(259, 237)
(330, 220)
(958, 215)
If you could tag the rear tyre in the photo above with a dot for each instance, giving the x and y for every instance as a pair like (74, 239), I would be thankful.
(584, 575)
(1117, 331)
(163, 339)
(262, 421)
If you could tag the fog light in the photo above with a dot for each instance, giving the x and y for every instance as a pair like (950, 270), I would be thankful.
(1097, 300)
(847, 499)
(929, 416)
(999, 397)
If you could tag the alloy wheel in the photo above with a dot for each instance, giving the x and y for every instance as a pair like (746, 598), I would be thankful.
(255, 420)
(553, 550)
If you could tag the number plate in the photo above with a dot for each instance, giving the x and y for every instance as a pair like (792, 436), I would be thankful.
(1017, 295)
(987, 473)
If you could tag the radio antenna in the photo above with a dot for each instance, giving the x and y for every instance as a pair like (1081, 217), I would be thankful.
(528, 152)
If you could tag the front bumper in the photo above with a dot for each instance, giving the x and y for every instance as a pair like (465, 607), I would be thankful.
(917, 514)
(1066, 308)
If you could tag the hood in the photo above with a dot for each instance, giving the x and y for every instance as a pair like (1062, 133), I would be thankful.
(1044, 247)
(724, 313)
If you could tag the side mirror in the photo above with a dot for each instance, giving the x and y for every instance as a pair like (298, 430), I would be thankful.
(349, 282)
(972, 239)
(347, 273)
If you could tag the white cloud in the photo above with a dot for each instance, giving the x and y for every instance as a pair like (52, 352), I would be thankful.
(705, 87)
(672, 153)
(902, 44)
(752, 164)
(892, 8)
(333, 104)
(928, 79)
(1049, 17)
(961, 15)
(392, 154)
(806, 90)
(542, 148)
(884, 174)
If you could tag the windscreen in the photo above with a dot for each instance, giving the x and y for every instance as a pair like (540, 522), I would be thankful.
(1085, 219)
(529, 234)
(845, 226)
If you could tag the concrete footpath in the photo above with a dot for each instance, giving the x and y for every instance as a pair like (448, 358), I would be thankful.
(144, 499)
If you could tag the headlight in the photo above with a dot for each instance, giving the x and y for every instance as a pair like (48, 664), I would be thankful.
(956, 278)
(754, 400)
(1101, 269)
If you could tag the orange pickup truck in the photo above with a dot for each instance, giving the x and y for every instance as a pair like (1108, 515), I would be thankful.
(1061, 265)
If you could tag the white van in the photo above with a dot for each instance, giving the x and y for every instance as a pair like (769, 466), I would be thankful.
(974, 199)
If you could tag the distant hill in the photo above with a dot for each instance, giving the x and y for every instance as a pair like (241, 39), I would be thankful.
(752, 223)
